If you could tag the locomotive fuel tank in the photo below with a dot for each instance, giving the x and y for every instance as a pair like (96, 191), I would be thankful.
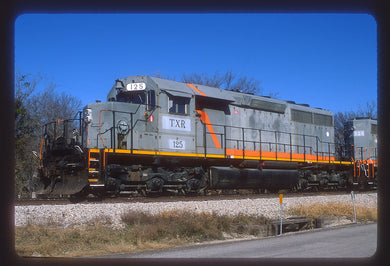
(246, 178)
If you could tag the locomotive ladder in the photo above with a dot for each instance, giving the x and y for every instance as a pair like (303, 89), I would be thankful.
(95, 157)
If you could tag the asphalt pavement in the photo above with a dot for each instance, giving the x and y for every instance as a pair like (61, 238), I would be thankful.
(353, 241)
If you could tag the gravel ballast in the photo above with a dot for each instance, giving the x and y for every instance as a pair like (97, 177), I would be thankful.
(83, 213)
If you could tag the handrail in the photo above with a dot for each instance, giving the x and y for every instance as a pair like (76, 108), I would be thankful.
(64, 134)
(113, 127)
(225, 140)
(318, 150)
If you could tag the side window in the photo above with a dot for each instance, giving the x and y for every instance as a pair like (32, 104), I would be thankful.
(178, 105)
(151, 100)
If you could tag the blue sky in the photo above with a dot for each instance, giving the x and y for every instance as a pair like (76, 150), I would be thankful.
(324, 60)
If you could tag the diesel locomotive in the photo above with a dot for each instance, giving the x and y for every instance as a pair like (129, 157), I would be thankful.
(154, 135)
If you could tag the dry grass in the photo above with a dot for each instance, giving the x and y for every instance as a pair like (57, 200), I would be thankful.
(67, 242)
(185, 225)
(144, 231)
(141, 232)
(336, 209)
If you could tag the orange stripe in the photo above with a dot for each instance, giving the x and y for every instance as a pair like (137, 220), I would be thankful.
(104, 159)
(280, 155)
(89, 158)
(40, 151)
(205, 119)
(196, 89)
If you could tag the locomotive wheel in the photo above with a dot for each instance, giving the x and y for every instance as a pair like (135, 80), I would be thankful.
(155, 185)
(192, 186)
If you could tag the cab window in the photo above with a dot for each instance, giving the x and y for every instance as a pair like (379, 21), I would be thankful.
(178, 105)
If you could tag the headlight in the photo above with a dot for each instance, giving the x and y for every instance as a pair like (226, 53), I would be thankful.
(123, 127)
(88, 115)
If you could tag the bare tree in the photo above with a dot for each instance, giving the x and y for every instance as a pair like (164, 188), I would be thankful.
(49, 105)
(370, 110)
(216, 80)
(161, 75)
(228, 81)
(25, 127)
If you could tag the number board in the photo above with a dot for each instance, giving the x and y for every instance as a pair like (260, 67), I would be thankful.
(177, 144)
(136, 86)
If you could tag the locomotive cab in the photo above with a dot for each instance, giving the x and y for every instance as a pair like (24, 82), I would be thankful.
(134, 93)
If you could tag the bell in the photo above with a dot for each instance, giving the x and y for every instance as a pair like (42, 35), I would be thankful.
(119, 85)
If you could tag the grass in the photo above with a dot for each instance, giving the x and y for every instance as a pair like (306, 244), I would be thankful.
(144, 231)
(336, 209)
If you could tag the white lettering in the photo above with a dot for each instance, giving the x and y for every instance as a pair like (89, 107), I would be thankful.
(358, 133)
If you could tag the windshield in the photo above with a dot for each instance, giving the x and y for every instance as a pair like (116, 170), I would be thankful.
(132, 97)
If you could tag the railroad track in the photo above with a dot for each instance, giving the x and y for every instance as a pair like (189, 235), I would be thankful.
(133, 199)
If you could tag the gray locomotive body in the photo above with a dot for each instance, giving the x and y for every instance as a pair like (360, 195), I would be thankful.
(361, 137)
(361, 143)
(156, 135)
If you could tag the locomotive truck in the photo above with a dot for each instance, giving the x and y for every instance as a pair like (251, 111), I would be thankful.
(154, 135)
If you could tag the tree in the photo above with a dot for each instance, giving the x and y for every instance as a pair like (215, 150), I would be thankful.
(228, 81)
(32, 109)
(49, 105)
(24, 87)
(25, 127)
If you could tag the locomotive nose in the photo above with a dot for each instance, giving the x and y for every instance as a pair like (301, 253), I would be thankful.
(66, 184)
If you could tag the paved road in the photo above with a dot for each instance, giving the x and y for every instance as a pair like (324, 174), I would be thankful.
(355, 241)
